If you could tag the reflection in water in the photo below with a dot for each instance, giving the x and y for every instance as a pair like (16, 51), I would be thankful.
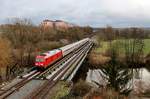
(96, 76)
(142, 74)
(141, 79)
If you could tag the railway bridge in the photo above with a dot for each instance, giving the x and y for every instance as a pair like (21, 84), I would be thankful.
(35, 84)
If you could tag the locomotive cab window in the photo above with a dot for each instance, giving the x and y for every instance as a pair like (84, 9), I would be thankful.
(39, 60)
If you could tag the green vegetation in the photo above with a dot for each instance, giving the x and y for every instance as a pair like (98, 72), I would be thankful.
(104, 46)
(147, 46)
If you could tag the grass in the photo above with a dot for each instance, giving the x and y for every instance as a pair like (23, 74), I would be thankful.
(60, 90)
(147, 46)
(105, 46)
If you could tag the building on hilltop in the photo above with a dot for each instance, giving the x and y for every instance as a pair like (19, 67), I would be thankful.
(47, 24)
(58, 24)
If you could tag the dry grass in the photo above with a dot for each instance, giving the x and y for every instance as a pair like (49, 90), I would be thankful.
(98, 58)
(103, 93)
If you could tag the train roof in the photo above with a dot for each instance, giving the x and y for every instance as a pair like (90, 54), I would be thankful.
(50, 53)
(73, 44)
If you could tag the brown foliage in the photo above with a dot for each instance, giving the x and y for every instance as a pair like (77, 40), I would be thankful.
(5, 52)
(109, 32)
(102, 93)
(5, 57)
(98, 59)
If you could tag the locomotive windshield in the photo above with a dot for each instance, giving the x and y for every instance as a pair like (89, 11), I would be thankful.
(39, 59)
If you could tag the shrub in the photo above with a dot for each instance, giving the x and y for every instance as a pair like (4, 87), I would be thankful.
(81, 88)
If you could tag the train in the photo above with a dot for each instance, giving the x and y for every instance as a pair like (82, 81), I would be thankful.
(44, 60)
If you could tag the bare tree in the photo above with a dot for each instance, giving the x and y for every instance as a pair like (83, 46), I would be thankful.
(5, 56)
(133, 45)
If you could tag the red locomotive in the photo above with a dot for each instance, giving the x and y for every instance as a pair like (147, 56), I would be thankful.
(48, 58)
(45, 59)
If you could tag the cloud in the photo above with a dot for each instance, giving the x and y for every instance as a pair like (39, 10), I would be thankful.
(82, 12)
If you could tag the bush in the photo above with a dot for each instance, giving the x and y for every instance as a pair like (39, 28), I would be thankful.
(81, 88)
(103, 93)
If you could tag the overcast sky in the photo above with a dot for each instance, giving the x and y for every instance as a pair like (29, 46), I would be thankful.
(118, 13)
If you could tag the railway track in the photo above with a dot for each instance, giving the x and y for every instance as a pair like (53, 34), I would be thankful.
(42, 91)
(18, 85)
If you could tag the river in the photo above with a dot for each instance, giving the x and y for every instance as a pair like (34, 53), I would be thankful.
(140, 80)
